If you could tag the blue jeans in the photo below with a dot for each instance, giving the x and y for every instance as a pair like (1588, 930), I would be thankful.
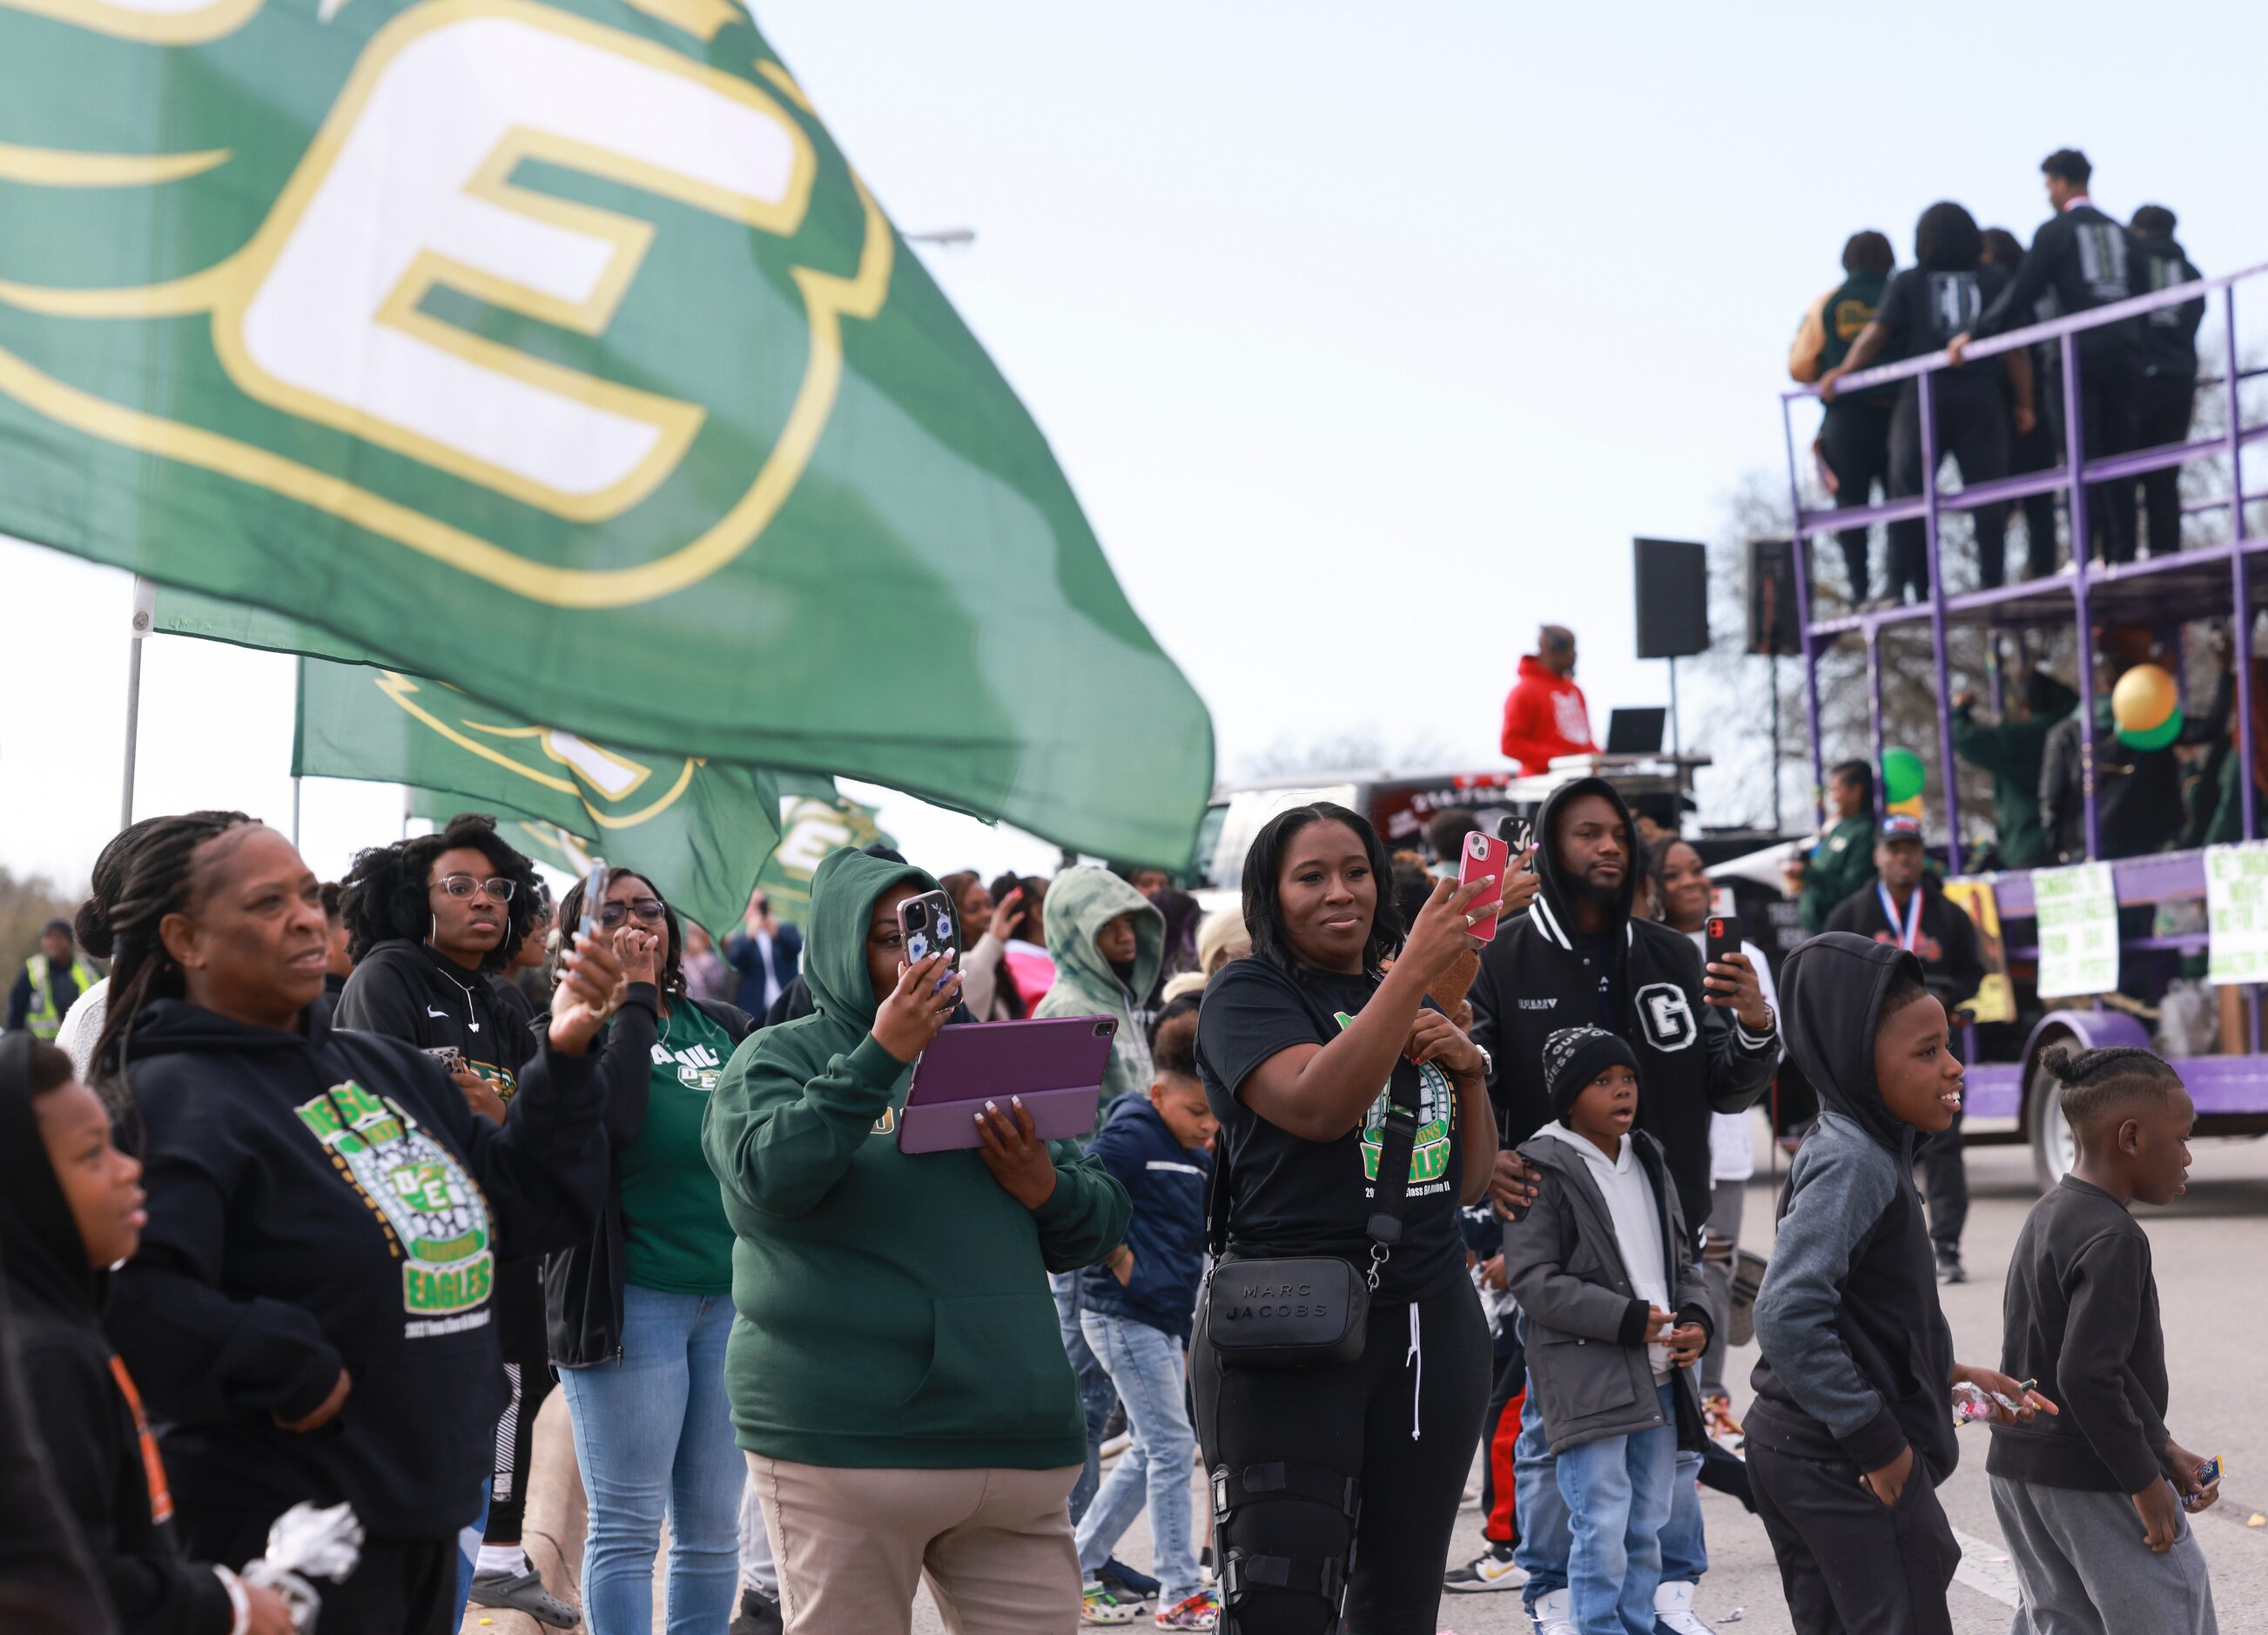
(1618, 1494)
(1096, 1396)
(653, 1434)
(1545, 1541)
(1145, 1364)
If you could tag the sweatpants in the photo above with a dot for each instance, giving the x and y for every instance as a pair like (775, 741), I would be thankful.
(1399, 1422)
(527, 1365)
(1500, 1435)
(2085, 1571)
(1944, 1175)
(2109, 424)
(853, 1546)
(1850, 1564)
(1970, 423)
(1854, 443)
(2164, 405)
(2040, 449)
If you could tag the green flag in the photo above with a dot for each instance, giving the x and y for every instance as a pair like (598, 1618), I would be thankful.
(177, 612)
(558, 350)
(701, 832)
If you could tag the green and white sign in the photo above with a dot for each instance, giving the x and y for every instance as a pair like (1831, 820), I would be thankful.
(2236, 910)
(557, 351)
(2078, 913)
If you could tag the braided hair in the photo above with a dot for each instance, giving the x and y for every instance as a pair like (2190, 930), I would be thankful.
(91, 925)
(2114, 1080)
(151, 874)
(386, 896)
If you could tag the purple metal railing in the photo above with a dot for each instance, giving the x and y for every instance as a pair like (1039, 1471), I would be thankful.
(2075, 475)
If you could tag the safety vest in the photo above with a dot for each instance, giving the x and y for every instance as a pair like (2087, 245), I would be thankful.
(43, 1018)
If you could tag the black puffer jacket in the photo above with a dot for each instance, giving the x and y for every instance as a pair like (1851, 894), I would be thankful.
(583, 1286)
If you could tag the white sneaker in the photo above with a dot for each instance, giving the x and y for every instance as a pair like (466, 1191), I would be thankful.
(1555, 1614)
(1673, 1611)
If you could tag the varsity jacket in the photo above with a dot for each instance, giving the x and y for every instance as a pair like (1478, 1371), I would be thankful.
(1541, 975)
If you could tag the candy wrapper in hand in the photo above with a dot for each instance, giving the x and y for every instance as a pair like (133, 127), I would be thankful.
(1972, 1402)
(308, 1543)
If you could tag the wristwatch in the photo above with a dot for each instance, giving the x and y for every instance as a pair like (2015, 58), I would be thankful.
(1488, 1061)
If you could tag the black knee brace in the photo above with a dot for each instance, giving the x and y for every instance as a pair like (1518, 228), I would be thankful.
(1244, 1573)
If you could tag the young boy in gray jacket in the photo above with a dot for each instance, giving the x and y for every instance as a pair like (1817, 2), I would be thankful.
(1616, 1315)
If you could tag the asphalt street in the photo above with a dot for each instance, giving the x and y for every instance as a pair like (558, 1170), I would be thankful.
(2212, 1259)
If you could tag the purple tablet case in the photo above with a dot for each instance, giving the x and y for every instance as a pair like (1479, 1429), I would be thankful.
(1054, 1065)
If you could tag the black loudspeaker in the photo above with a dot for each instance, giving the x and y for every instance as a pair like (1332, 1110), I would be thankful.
(1773, 626)
(1672, 576)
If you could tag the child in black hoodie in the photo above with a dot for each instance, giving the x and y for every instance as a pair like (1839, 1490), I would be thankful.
(1852, 1426)
(70, 1207)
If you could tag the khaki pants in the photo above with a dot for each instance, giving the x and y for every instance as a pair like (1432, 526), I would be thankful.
(852, 1545)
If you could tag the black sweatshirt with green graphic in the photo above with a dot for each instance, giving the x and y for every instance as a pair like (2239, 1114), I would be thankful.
(325, 1199)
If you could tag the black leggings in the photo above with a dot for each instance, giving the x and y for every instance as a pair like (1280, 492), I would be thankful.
(527, 1365)
(1312, 1427)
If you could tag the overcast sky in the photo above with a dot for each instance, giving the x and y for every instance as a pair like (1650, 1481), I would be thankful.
(1368, 336)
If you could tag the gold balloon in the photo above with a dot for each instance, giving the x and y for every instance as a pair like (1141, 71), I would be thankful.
(2145, 697)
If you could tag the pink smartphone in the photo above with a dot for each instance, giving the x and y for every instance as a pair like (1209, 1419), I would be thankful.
(1484, 854)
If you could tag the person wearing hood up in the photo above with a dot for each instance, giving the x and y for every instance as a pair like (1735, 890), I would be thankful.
(895, 1370)
(1851, 1429)
(70, 1208)
(1544, 713)
(1108, 941)
(46, 1583)
(311, 1315)
(1706, 1042)
(2165, 398)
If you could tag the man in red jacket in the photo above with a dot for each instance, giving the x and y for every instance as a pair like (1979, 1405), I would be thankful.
(1545, 714)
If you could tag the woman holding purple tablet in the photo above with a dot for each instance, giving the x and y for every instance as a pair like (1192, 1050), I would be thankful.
(896, 1375)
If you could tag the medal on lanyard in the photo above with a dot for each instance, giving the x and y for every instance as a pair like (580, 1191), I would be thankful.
(1911, 931)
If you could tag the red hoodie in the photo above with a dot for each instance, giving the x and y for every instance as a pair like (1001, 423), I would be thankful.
(1544, 716)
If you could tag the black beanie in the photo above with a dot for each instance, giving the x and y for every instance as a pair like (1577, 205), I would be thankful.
(1573, 1057)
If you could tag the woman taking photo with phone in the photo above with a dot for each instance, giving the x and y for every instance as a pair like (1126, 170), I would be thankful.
(1300, 1047)
(310, 1313)
(896, 1375)
(639, 1315)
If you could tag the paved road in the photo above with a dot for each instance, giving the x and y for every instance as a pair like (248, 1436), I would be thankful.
(2211, 1256)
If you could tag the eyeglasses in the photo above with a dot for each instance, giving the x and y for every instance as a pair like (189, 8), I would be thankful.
(465, 886)
(647, 909)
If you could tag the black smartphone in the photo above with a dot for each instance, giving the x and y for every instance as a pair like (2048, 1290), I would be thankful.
(926, 923)
(1723, 938)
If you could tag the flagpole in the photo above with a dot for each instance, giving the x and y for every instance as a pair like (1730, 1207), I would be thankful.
(295, 812)
(145, 609)
(405, 811)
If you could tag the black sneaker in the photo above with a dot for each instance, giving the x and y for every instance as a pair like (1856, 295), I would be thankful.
(1949, 1269)
(758, 1617)
(1491, 1569)
(523, 1592)
(1125, 1582)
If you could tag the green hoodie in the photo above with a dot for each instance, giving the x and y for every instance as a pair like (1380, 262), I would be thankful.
(1081, 902)
(893, 1311)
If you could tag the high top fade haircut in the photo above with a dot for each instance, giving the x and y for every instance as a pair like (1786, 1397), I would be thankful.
(386, 897)
(2104, 1087)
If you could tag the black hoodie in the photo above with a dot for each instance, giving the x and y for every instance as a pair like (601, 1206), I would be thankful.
(406, 990)
(1857, 1359)
(1541, 975)
(94, 1439)
(2169, 332)
(325, 1200)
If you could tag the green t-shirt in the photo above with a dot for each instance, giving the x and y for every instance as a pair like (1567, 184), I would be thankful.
(675, 1237)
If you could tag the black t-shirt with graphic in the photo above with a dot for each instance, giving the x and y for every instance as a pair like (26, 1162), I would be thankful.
(1292, 1196)
(1924, 309)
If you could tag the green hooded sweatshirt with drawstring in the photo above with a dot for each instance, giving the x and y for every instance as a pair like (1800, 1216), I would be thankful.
(891, 1311)
(1079, 904)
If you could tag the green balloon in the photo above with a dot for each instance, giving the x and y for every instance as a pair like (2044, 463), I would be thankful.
(2158, 737)
(1903, 776)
